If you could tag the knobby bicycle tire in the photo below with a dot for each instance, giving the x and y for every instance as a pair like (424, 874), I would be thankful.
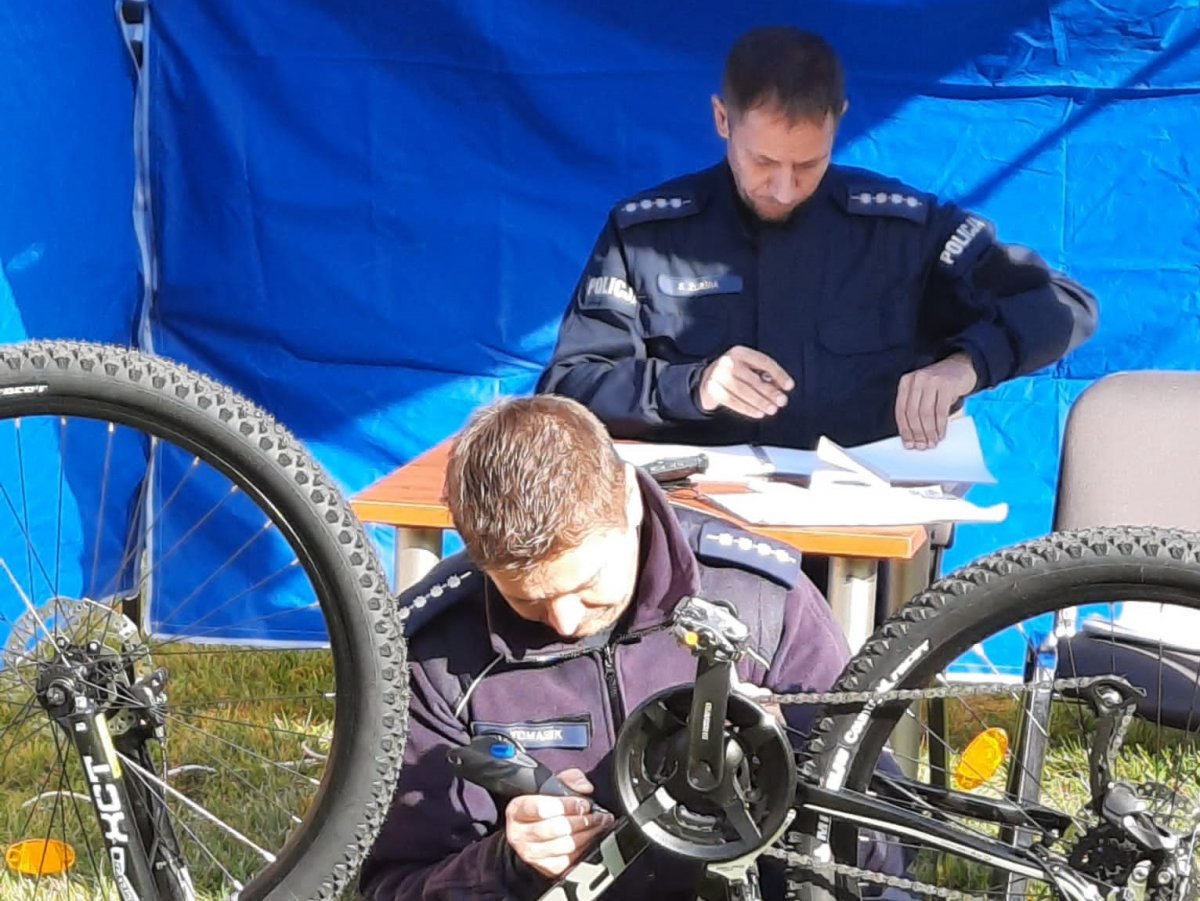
(967, 606)
(259, 456)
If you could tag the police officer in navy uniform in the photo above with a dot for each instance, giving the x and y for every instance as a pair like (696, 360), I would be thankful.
(551, 628)
(775, 298)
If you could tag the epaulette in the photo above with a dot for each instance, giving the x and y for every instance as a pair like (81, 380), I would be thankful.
(668, 204)
(452, 580)
(867, 198)
(720, 543)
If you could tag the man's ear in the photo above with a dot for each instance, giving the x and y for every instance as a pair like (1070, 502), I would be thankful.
(720, 117)
(634, 507)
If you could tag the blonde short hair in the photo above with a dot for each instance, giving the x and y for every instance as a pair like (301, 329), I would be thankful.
(529, 478)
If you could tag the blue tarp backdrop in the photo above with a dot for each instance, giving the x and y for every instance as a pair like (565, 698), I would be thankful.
(369, 216)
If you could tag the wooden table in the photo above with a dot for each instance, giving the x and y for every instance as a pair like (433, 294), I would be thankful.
(410, 499)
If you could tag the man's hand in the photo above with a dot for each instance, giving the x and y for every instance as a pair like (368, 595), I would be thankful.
(926, 396)
(758, 694)
(745, 381)
(551, 833)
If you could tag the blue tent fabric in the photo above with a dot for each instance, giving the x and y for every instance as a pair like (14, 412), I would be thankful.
(369, 216)
(68, 257)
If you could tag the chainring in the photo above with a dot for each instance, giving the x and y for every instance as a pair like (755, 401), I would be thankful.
(760, 778)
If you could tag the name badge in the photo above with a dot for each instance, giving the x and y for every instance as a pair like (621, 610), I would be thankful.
(699, 285)
(575, 734)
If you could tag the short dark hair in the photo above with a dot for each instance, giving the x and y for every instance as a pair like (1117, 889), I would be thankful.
(783, 66)
(530, 478)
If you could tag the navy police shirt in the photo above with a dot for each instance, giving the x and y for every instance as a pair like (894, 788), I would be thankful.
(868, 280)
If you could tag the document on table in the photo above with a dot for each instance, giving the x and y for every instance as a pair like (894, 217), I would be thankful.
(958, 459)
(832, 504)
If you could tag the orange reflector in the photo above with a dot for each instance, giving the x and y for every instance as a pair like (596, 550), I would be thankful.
(691, 639)
(981, 758)
(40, 857)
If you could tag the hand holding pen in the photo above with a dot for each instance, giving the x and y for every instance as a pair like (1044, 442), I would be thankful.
(746, 381)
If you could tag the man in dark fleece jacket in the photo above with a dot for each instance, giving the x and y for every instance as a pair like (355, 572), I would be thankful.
(551, 628)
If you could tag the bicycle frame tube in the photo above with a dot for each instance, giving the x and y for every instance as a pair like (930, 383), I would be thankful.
(876, 813)
(595, 873)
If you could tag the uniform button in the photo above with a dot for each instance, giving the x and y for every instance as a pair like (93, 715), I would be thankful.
(646, 204)
(630, 207)
(676, 202)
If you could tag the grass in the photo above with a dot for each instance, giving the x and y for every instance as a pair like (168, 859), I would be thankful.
(249, 728)
(1147, 756)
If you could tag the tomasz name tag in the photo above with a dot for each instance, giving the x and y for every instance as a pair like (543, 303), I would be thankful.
(566, 734)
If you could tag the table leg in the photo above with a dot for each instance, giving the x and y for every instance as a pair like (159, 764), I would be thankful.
(906, 578)
(417, 552)
(852, 597)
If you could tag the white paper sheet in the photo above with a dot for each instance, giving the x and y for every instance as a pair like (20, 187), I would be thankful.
(781, 504)
(958, 459)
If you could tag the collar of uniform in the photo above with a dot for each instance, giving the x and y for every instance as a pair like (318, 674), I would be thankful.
(750, 225)
(667, 572)
(731, 202)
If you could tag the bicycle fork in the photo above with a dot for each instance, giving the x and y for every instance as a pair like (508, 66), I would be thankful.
(140, 844)
(89, 733)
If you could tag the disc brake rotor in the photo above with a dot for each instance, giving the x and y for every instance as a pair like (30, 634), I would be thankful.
(81, 630)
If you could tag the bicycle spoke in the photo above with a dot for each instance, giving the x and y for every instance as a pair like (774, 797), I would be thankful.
(58, 522)
(274, 730)
(253, 755)
(194, 807)
(229, 561)
(101, 506)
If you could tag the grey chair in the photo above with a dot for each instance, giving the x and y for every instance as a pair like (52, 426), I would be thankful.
(1129, 457)
(1130, 453)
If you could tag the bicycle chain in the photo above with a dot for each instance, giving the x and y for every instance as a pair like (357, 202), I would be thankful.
(808, 862)
(794, 858)
(836, 698)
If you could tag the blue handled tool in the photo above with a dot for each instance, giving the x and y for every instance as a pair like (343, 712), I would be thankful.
(499, 764)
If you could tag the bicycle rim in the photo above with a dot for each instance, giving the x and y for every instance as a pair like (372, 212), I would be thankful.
(152, 521)
(1067, 604)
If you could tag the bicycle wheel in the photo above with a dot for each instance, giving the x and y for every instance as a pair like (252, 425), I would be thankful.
(1001, 759)
(201, 667)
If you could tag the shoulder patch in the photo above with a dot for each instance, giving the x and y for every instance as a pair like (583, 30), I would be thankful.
(969, 240)
(895, 201)
(722, 543)
(452, 580)
(668, 205)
